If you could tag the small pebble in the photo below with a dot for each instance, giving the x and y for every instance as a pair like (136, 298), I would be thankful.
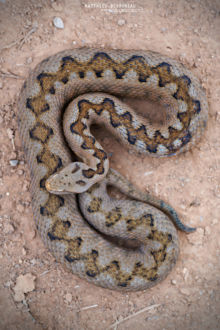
(58, 23)
(20, 208)
(10, 133)
(121, 22)
(24, 252)
(13, 162)
(185, 273)
(29, 60)
(185, 291)
(24, 284)
(207, 231)
(68, 298)
(56, 6)
(8, 228)
(173, 282)
(214, 222)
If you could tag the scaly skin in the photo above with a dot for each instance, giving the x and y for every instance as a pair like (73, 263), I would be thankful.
(105, 259)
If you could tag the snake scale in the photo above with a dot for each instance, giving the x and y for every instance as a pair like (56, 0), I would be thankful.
(128, 243)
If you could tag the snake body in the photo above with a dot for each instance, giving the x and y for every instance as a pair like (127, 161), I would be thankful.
(123, 244)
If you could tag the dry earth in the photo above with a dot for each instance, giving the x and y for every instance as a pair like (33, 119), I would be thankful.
(35, 291)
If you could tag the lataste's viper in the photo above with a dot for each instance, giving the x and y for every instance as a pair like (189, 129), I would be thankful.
(123, 244)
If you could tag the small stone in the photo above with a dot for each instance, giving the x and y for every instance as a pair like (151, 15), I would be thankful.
(214, 222)
(24, 284)
(7, 284)
(185, 273)
(20, 172)
(56, 6)
(20, 208)
(29, 60)
(195, 202)
(173, 282)
(163, 29)
(13, 162)
(207, 230)
(68, 297)
(8, 228)
(58, 23)
(33, 261)
(121, 22)
(148, 173)
(24, 252)
(185, 291)
(10, 133)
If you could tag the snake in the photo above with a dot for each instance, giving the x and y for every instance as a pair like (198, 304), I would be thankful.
(128, 240)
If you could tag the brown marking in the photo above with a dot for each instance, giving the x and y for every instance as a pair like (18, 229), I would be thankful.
(113, 217)
(95, 205)
(37, 104)
(41, 132)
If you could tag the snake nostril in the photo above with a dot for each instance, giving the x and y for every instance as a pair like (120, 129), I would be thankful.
(75, 169)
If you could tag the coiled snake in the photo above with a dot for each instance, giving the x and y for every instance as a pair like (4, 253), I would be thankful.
(123, 244)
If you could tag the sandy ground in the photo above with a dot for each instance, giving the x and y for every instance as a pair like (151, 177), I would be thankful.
(35, 291)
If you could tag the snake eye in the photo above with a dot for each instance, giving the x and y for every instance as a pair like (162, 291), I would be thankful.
(81, 183)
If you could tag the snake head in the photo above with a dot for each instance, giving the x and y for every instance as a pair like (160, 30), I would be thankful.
(71, 179)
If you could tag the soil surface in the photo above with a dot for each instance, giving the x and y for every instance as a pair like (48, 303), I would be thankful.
(35, 291)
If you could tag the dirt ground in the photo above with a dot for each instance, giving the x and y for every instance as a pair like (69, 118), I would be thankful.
(35, 291)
